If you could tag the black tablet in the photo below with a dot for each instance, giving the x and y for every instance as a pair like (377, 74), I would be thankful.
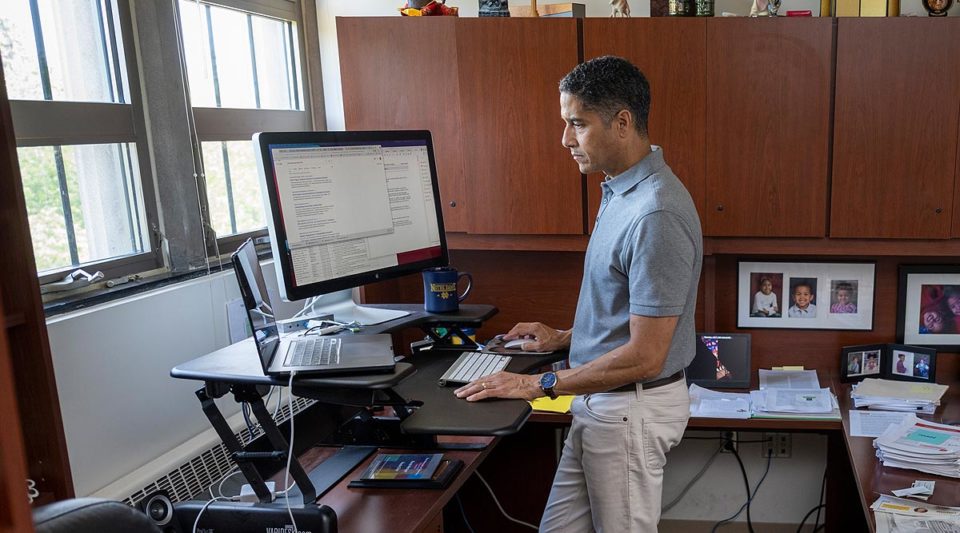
(722, 361)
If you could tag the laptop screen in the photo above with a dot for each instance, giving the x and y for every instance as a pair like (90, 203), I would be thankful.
(722, 361)
(257, 302)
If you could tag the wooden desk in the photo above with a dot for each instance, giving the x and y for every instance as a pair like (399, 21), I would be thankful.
(874, 479)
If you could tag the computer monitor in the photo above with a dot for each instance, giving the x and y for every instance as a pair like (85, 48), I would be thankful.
(722, 361)
(347, 208)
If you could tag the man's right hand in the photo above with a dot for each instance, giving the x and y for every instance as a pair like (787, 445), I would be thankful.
(542, 338)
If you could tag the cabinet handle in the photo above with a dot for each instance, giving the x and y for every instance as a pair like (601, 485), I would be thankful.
(938, 210)
(453, 204)
(720, 207)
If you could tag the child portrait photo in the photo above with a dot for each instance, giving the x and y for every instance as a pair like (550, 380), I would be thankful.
(803, 295)
(843, 296)
(863, 363)
(767, 289)
(902, 363)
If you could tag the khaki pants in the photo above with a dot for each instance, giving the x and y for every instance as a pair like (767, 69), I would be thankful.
(610, 475)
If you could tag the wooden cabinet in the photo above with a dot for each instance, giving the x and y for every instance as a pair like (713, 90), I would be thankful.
(895, 128)
(669, 52)
(521, 180)
(767, 126)
(401, 73)
(487, 89)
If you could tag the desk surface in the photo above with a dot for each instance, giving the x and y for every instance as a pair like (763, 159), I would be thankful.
(874, 479)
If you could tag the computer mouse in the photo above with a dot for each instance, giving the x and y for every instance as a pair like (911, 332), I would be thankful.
(516, 344)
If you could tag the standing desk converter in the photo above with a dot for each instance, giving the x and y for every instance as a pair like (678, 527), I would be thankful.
(425, 409)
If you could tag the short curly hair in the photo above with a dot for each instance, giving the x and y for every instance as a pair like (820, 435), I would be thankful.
(609, 84)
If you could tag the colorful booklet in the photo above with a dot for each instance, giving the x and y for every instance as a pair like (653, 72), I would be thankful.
(408, 470)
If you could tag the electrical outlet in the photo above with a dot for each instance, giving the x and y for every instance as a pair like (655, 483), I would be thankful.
(776, 445)
(729, 440)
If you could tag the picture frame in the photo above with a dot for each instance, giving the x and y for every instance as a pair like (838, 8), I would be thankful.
(925, 296)
(778, 294)
(899, 362)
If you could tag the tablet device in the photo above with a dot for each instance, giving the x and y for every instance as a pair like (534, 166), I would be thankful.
(722, 361)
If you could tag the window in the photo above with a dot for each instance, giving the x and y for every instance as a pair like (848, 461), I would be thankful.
(106, 189)
(66, 70)
(245, 76)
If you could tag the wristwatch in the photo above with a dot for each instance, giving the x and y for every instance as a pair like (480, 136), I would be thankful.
(547, 382)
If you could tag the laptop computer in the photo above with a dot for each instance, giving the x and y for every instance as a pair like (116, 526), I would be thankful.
(311, 354)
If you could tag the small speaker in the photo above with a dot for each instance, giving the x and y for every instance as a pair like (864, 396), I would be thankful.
(159, 509)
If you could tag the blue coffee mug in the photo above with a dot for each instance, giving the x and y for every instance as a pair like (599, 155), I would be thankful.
(440, 289)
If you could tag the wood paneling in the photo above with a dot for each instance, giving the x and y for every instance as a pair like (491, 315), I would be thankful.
(35, 384)
(768, 126)
(669, 51)
(896, 118)
(521, 178)
(402, 74)
(14, 511)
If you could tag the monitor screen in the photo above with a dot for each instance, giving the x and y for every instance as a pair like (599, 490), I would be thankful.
(349, 208)
(722, 361)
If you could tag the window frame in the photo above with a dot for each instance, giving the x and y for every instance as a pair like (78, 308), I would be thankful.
(160, 122)
(49, 123)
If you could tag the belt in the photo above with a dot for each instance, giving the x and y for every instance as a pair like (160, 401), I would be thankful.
(630, 387)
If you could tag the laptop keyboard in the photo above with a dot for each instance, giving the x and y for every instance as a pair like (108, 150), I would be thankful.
(473, 365)
(313, 351)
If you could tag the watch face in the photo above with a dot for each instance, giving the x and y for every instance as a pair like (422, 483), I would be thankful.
(548, 380)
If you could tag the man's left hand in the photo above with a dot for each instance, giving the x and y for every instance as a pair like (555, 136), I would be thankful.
(501, 385)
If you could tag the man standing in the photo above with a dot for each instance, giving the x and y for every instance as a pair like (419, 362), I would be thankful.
(633, 333)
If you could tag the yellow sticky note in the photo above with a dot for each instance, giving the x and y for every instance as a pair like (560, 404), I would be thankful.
(788, 367)
(560, 405)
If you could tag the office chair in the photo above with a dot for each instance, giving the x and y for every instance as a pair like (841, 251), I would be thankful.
(91, 515)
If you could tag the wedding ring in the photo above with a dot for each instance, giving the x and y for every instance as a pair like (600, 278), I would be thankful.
(484, 385)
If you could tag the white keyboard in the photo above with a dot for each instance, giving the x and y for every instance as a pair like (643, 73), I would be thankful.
(471, 366)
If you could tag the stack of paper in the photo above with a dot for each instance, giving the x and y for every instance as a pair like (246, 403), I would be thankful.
(891, 395)
(921, 445)
(793, 394)
(895, 515)
(706, 403)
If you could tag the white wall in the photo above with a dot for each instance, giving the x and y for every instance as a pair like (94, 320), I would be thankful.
(328, 10)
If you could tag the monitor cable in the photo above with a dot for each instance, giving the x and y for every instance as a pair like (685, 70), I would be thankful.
(463, 513)
(749, 499)
(693, 481)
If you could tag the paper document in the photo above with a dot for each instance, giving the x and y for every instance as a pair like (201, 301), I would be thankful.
(788, 379)
(894, 523)
(559, 405)
(798, 400)
(706, 403)
(921, 445)
(903, 390)
(873, 423)
(901, 506)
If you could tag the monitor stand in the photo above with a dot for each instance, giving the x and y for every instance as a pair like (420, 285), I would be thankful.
(345, 307)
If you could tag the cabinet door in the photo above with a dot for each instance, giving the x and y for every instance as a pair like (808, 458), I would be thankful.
(520, 179)
(768, 126)
(895, 132)
(669, 52)
(401, 73)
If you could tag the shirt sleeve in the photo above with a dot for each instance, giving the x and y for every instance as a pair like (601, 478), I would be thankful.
(659, 259)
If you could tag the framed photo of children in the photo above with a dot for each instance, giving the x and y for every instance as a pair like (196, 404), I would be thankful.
(888, 361)
(805, 295)
(928, 307)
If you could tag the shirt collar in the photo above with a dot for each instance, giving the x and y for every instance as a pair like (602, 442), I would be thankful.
(628, 179)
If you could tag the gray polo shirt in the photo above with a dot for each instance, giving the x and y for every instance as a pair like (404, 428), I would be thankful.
(643, 258)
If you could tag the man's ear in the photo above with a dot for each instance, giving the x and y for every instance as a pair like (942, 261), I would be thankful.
(624, 121)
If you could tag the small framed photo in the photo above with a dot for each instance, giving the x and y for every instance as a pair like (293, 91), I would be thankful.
(805, 295)
(911, 363)
(928, 307)
(889, 361)
(858, 362)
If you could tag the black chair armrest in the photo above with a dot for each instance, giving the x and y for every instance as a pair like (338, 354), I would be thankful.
(91, 515)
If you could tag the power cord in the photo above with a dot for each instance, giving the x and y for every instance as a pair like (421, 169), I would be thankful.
(496, 501)
(286, 481)
(204, 508)
(810, 512)
(690, 484)
(823, 485)
(751, 497)
(746, 483)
